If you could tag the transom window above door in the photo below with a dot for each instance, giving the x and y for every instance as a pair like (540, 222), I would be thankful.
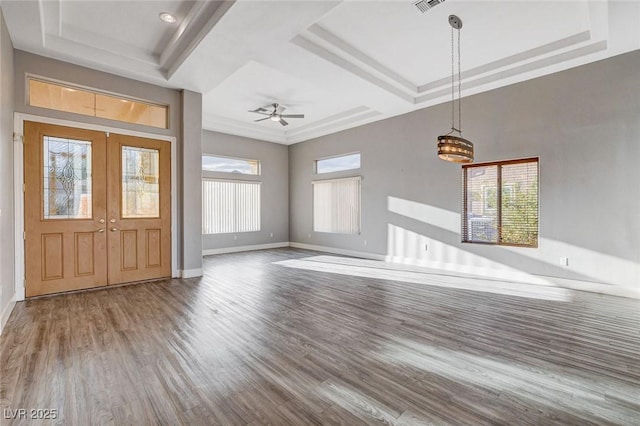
(68, 98)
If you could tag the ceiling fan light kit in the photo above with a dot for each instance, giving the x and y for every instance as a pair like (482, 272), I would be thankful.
(450, 147)
(274, 112)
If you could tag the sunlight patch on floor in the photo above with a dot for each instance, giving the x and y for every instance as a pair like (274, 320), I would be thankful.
(356, 402)
(388, 271)
(534, 382)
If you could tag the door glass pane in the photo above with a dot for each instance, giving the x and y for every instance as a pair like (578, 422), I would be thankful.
(66, 178)
(140, 182)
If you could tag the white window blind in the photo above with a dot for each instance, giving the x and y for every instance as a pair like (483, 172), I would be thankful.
(336, 206)
(230, 206)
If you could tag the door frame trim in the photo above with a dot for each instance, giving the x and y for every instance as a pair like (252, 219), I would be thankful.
(18, 182)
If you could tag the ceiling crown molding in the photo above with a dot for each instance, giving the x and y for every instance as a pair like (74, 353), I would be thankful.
(331, 53)
(202, 17)
(321, 42)
(340, 120)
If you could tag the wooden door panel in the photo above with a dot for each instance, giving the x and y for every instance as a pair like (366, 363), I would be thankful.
(153, 245)
(64, 252)
(139, 219)
(128, 249)
(52, 256)
(84, 253)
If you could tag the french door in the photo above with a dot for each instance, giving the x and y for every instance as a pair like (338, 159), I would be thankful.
(97, 209)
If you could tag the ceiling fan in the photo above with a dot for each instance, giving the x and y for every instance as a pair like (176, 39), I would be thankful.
(274, 112)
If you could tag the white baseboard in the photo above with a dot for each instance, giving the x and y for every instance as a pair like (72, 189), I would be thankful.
(209, 252)
(610, 289)
(353, 253)
(6, 312)
(507, 274)
(190, 273)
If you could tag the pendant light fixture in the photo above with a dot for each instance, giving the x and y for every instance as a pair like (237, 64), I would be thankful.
(452, 146)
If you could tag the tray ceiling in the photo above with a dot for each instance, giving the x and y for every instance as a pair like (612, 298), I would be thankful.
(342, 63)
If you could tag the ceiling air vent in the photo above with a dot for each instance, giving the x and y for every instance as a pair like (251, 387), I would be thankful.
(424, 5)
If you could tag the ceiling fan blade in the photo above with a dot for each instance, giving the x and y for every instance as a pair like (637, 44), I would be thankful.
(284, 123)
(279, 109)
(260, 112)
(262, 119)
(293, 115)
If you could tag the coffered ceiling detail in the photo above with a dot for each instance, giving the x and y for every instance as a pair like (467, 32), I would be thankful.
(123, 37)
(341, 63)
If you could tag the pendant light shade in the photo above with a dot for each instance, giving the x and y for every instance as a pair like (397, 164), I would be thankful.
(455, 148)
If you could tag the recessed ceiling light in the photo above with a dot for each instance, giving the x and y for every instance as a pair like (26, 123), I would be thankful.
(168, 18)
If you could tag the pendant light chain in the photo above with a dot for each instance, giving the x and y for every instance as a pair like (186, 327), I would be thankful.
(453, 96)
(459, 87)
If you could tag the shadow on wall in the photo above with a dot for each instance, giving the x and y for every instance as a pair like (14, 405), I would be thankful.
(407, 242)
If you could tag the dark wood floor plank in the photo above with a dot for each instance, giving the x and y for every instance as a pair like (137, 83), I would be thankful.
(259, 341)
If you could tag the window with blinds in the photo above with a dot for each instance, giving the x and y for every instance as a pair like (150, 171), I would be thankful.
(336, 206)
(230, 206)
(500, 203)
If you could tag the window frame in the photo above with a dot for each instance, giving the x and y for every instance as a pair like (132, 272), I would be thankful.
(241, 176)
(315, 163)
(464, 214)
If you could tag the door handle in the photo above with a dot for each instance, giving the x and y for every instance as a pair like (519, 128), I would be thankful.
(101, 221)
(114, 229)
(101, 230)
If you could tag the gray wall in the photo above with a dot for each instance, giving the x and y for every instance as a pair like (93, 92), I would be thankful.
(7, 282)
(27, 63)
(583, 124)
(275, 188)
(191, 197)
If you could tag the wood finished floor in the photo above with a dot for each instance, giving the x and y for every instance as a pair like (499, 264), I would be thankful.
(257, 343)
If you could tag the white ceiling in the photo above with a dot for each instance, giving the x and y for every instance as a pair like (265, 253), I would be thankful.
(341, 63)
